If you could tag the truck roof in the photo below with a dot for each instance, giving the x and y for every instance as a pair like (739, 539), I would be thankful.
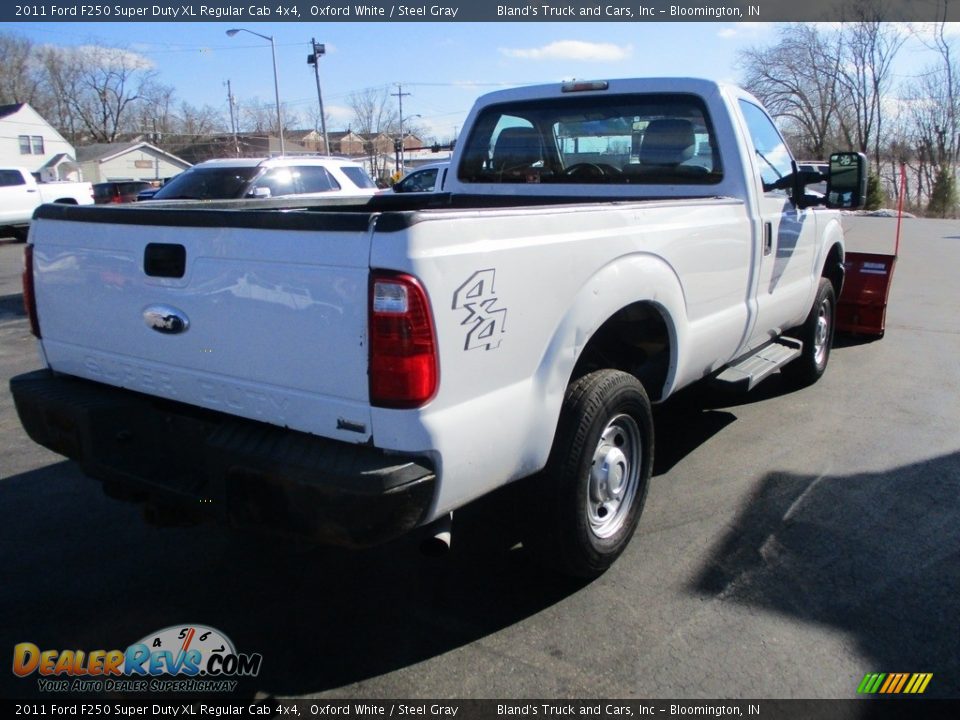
(697, 86)
(276, 161)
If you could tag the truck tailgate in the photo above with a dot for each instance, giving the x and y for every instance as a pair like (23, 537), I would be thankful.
(268, 324)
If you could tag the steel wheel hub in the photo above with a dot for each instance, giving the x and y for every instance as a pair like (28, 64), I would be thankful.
(821, 334)
(614, 475)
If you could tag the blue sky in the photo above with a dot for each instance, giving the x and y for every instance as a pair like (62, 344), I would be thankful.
(444, 66)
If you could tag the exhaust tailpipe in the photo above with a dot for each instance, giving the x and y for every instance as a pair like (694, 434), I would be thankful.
(436, 543)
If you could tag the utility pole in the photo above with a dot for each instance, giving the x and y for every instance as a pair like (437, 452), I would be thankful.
(156, 160)
(400, 95)
(318, 51)
(233, 123)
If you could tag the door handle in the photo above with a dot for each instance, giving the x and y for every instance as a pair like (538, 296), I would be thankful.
(767, 238)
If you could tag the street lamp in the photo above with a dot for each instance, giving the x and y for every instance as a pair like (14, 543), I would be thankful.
(276, 81)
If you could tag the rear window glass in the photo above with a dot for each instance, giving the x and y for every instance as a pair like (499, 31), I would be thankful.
(359, 177)
(618, 139)
(104, 191)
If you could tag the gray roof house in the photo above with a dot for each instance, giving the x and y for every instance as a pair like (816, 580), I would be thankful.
(137, 160)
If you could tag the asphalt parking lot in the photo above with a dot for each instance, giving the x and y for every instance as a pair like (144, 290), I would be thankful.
(792, 542)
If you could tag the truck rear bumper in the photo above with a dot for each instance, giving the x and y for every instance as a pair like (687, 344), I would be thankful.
(194, 463)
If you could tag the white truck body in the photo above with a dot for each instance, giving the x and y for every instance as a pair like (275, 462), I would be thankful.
(21, 194)
(279, 304)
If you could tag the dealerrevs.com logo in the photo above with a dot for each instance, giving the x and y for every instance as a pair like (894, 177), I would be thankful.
(180, 658)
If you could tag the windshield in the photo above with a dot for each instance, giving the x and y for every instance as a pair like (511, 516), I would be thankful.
(208, 184)
(643, 139)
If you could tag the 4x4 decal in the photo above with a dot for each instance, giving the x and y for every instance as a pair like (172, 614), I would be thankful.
(485, 321)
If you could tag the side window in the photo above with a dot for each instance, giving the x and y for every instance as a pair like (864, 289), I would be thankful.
(37, 142)
(316, 179)
(10, 178)
(420, 181)
(24, 144)
(772, 156)
(280, 181)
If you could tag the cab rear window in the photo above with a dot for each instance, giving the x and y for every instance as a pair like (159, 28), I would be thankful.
(621, 139)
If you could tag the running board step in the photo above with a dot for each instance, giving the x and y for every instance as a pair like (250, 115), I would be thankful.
(747, 372)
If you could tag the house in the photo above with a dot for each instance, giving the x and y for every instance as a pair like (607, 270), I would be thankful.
(352, 144)
(28, 140)
(249, 146)
(137, 160)
(341, 142)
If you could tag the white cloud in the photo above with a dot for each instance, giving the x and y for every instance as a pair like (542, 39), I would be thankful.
(746, 30)
(338, 115)
(572, 50)
(107, 57)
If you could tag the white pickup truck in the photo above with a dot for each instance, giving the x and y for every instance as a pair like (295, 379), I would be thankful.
(352, 371)
(21, 194)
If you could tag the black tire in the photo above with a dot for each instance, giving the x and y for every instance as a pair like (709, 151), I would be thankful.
(584, 517)
(816, 333)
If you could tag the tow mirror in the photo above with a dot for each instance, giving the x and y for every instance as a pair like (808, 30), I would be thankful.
(847, 181)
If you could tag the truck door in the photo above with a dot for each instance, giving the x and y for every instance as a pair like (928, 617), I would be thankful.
(18, 198)
(785, 247)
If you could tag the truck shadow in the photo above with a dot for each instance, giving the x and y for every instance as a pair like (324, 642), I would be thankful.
(11, 306)
(875, 556)
(84, 572)
(695, 414)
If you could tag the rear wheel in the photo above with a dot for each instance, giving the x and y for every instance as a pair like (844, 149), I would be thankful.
(590, 496)
(816, 333)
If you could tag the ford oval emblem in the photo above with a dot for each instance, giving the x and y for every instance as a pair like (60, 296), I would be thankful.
(166, 319)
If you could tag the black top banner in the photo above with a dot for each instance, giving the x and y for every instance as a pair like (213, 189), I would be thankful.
(481, 11)
(188, 706)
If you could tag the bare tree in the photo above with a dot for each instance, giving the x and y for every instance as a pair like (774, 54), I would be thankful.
(260, 118)
(869, 47)
(19, 81)
(97, 87)
(255, 117)
(62, 81)
(937, 107)
(935, 116)
(155, 113)
(796, 79)
(374, 113)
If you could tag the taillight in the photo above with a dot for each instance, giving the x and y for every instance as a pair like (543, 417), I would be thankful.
(29, 297)
(403, 347)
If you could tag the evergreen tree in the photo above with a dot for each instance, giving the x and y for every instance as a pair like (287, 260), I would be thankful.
(943, 197)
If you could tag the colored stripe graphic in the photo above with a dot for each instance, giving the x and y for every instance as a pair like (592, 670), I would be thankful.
(894, 683)
(872, 682)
